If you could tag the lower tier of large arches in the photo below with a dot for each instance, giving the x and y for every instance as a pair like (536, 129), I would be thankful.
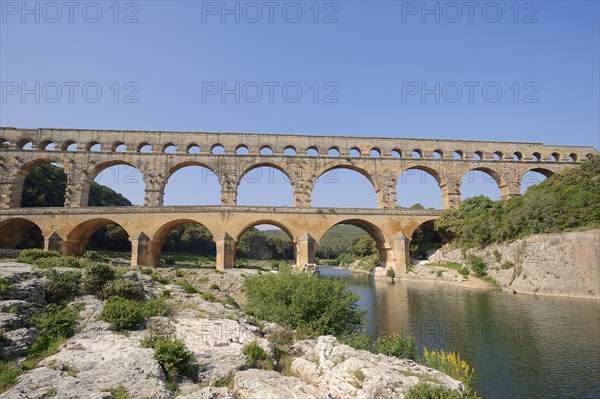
(69, 231)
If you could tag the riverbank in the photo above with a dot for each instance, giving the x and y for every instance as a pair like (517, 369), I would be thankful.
(205, 310)
(562, 264)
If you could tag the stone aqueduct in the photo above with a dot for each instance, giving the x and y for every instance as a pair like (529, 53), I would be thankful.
(85, 153)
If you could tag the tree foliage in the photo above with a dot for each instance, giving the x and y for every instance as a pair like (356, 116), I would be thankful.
(567, 200)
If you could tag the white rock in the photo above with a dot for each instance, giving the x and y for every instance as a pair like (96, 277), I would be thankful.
(254, 384)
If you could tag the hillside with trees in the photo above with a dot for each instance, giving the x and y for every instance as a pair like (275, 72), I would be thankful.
(567, 201)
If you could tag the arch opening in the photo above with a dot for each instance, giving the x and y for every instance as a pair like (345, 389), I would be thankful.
(144, 148)
(266, 150)
(93, 146)
(437, 154)
(480, 181)
(354, 152)
(572, 157)
(261, 179)
(396, 153)
(119, 183)
(217, 149)
(312, 152)
(478, 155)
(48, 145)
(4, 143)
(419, 187)
(184, 243)
(333, 152)
(69, 145)
(458, 154)
(119, 146)
(169, 148)
(193, 149)
(265, 243)
(375, 153)
(337, 187)
(554, 157)
(242, 150)
(290, 151)
(192, 183)
(417, 154)
(20, 233)
(99, 235)
(536, 157)
(533, 177)
(25, 144)
(424, 241)
(353, 240)
(498, 156)
(517, 156)
(44, 185)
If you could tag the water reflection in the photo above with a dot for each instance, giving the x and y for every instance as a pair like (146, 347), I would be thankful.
(521, 346)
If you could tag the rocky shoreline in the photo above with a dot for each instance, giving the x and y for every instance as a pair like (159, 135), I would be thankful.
(97, 361)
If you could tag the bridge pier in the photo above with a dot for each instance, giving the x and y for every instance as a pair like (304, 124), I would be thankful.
(53, 243)
(306, 247)
(402, 260)
(225, 252)
(140, 250)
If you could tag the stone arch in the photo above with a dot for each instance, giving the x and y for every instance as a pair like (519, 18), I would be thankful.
(217, 149)
(403, 178)
(118, 146)
(536, 157)
(22, 143)
(334, 152)
(266, 150)
(425, 234)
(572, 157)
(242, 149)
(68, 143)
(171, 171)
(159, 237)
(554, 157)
(354, 152)
(47, 143)
(193, 148)
(167, 147)
(478, 155)
(417, 153)
(90, 175)
(267, 221)
(92, 144)
(12, 231)
(386, 253)
(528, 178)
(286, 178)
(363, 172)
(290, 151)
(312, 151)
(18, 183)
(458, 154)
(375, 152)
(4, 143)
(437, 154)
(517, 156)
(396, 153)
(141, 147)
(495, 175)
(498, 155)
(78, 237)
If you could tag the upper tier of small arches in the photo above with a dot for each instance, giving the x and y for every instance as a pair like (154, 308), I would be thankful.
(274, 145)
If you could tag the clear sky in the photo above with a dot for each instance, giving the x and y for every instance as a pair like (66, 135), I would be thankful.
(526, 71)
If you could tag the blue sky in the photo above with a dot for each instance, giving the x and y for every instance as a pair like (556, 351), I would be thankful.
(159, 65)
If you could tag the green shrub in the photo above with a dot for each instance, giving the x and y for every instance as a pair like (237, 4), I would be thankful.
(96, 276)
(117, 393)
(146, 271)
(225, 381)
(478, 266)
(390, 273)
(187, 287)
(439, 273)
(395, 345)
(452, 364)
(179, 273)
(174, 357)
(256, 357)
(299, 301)
(230, 301)
(121, 313)
(463, 270)
(61, 261)
(162, 280)
(62, 287)
(169, 260)
(156, 307)
(123, 288)
(207, 296)
(37, 253)
(390, 345)
(215, 287)
(425, 390)
(54, 325)
(5, 286)
(506, 265)
(8, 374)
(497, 255)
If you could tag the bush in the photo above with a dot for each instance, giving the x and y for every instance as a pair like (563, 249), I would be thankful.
(5, 286)
(124, 289)
(299, 301)
(390, 273)
(187, 287)
(478, 266)
(215, 287)
(256, 357)
(62, 287)
(463, 270)
(425, 390)
(36, 253)
(452, 364)
(389, 345)
(121, 313)
(156, 307)
(173, 356)
(8, 374)
(96, 276)
(146, 271)
(179, 273)
(439, 273)
(55, 324)
(169, 260)
(506, 265)
(395, 345)
(497, 255)
(62, 261)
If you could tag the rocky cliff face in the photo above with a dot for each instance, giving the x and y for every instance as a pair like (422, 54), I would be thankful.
(564, 264)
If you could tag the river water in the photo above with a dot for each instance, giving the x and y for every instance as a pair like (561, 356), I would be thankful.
(521, 346)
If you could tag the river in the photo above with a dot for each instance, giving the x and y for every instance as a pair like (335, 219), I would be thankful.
(521, 346)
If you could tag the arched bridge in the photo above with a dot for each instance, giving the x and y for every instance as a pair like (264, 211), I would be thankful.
(303, 159)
